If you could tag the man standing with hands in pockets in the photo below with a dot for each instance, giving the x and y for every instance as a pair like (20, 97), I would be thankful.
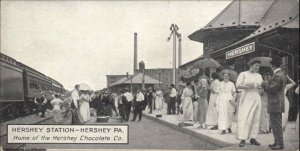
(275, 91)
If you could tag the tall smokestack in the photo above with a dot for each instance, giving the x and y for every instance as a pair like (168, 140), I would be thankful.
(135, 53)
(179, 50)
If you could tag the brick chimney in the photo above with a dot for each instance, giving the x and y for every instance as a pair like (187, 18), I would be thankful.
(135, 53)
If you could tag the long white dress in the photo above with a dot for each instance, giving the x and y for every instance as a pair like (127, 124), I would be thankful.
(225, 109)
(158, 100)
(249, 106)
(285, 115)
(187, 105)
(212, 113)
(85, 107)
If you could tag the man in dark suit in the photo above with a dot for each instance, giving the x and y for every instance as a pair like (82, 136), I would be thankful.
(41, 104)
(149, 99)
(275, 91)
(106, 102)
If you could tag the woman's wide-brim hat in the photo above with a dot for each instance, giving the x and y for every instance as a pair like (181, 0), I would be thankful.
(264, 61)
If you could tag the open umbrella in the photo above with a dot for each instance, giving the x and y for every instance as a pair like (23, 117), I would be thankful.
(233, 74)
(265, 61)
(206, 63)
(190, 75)
(84, 87)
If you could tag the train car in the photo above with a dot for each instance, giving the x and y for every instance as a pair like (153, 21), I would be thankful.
(56, 86)
(20, 84)
(12, 87)
(35, 83)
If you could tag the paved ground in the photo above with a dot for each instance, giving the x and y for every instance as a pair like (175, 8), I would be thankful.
(143, 135)
(163, 133)
(229, 141)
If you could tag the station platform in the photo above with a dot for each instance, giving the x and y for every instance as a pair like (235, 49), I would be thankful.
(227, 141)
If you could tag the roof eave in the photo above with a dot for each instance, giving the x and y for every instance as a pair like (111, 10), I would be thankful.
(200, 35)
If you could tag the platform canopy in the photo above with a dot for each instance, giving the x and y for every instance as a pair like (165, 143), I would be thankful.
(188, 65)
(136, 79)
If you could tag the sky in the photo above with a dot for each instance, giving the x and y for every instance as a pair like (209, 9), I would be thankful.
(82, 41)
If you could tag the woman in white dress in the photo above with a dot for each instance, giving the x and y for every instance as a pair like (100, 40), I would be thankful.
(186, 106)
(158, 99)
(84, 106)
(212, 113)
(56, 103)
(285, 115)
(250, 104)
(224, 105)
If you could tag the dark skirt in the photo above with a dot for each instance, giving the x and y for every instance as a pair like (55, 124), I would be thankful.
(76, 117)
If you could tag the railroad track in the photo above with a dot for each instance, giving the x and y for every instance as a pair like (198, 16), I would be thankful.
(19, 146)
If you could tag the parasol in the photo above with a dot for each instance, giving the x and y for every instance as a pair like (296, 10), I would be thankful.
(191, 75)
(206, 63)
(265, 61)
(84, 87)
(233, 74)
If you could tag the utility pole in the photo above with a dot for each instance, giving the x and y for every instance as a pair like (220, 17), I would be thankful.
(131, 89)
(143, 80)
(159, 79)
(174, 28)
(179, 50)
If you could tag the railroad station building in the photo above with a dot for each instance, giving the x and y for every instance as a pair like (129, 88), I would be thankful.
(243, 31)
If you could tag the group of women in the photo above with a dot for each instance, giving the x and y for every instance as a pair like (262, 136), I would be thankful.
(62, 107)
(245, 98)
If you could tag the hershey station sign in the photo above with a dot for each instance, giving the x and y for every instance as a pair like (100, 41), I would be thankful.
(240, 51)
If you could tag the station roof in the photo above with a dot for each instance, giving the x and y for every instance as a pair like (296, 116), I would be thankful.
(240, 12)
(136, 79)
(249, 13)
(289, 19)
(283, 14)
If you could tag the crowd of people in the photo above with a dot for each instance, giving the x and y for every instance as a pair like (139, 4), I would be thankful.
(257, 103)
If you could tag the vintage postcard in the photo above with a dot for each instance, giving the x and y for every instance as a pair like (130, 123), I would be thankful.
(149, 75)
